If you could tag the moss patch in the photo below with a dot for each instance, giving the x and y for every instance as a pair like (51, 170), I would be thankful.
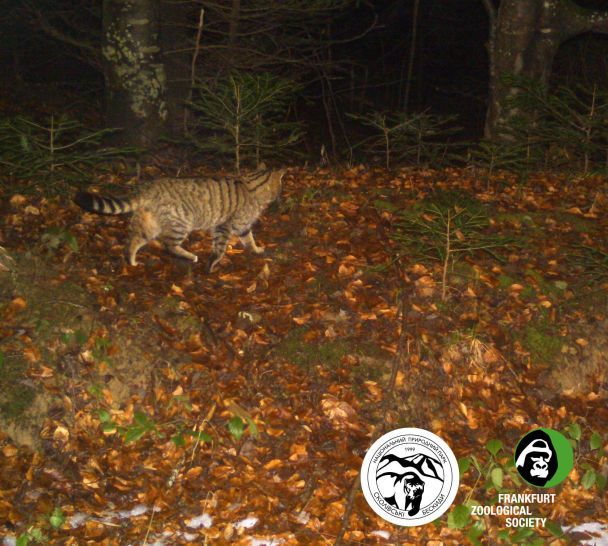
(542, 341)
(54, 306)
(296, 349)
(16, 396)
(580, 224)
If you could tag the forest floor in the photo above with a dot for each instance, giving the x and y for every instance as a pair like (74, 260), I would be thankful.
(158, 404)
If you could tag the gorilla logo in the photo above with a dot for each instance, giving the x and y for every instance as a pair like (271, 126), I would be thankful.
(536, 458)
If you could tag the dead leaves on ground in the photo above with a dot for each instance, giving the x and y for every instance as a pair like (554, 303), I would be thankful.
(239, 430)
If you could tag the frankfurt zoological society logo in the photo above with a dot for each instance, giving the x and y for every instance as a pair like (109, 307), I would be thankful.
(544, 457)
(409, 476)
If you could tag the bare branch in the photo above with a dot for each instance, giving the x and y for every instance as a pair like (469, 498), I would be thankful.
(197, 47)
(50, 29)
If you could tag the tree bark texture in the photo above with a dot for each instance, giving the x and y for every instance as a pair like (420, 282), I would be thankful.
(176, 51)
(133, 70)
(524, 38)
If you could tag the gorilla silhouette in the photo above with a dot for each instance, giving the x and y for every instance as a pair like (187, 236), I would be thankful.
(536, 458)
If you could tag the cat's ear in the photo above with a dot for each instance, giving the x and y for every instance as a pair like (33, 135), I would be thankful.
(262, 166)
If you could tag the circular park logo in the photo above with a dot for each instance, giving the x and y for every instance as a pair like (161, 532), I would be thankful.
(409, 476)
(544, 457)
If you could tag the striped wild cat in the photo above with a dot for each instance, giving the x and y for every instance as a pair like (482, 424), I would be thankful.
(171, 208)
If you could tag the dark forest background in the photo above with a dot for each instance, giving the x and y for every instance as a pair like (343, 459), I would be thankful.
(341, 68)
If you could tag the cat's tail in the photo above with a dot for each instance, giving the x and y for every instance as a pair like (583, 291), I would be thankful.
(104, 205)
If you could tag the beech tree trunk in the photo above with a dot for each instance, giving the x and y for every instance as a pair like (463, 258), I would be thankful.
(176, 53)
(133, 70)
(524, 37)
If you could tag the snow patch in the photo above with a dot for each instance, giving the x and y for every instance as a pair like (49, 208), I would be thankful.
(303, 518)
(247, 523)
(137, 510)
(597, 532)
(78, 519)
(204, 520)
(381, 533)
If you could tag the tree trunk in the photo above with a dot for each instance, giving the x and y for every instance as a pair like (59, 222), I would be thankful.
(176, 50)
(134, 74)
(524, 37)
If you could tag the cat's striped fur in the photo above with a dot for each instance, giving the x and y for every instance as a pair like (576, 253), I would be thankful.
(170, 208)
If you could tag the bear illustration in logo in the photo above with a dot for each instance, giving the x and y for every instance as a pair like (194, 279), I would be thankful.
(413, 487)
(536, 458)
(400, 480)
